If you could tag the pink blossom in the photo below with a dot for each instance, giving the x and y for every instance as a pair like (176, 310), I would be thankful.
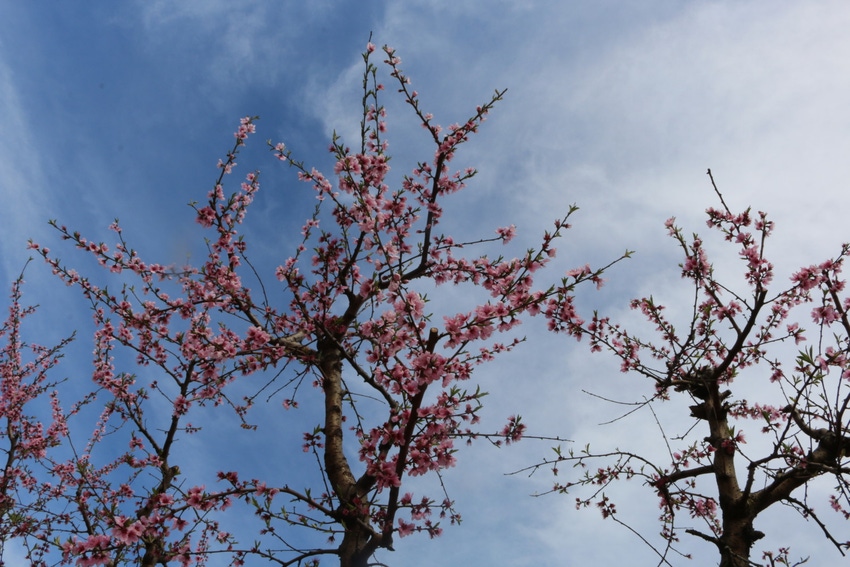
(127, 531)
(506, 233)
(196, 497)
(404, 528)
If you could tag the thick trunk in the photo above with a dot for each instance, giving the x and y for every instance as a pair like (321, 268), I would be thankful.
(336, 465)
(736, 513)
(355, 549)
(737, 541)
(359, 541)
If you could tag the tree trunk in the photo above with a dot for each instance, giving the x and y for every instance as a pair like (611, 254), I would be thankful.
(737, 541)
(355, 549)
(358, 542)
(737, 513)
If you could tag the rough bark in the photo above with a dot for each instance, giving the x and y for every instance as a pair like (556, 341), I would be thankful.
(737, 541)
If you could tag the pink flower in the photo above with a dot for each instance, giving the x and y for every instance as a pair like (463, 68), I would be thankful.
(181, 405)
(405, 528)
(164, 500)
(506, 233)
(256, 337)
(196, 497)
(826, 314)
(206, 217)
(126, 531)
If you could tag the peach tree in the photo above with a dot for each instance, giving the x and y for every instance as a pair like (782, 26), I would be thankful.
(342, 330)
(730, 457)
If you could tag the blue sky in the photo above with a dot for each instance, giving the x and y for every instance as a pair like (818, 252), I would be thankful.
(122, 110)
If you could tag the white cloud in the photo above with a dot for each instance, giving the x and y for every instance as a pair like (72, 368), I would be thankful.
(24, 205)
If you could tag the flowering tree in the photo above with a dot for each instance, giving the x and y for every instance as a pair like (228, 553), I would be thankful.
(736, 336)
(24, 386)
(391, 385)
